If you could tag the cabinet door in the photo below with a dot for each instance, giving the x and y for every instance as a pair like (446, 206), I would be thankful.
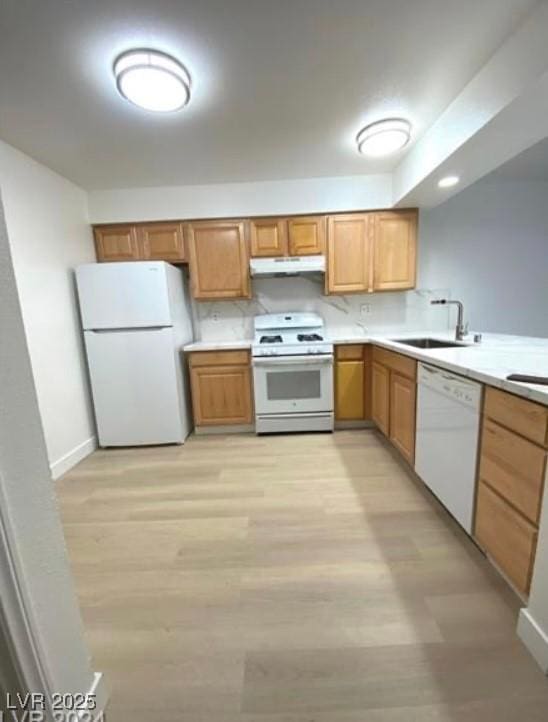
(162, 242)
(349, 267)
(349, 389)
(506, 536)
(268, 237)
(221, 395)
(380, 396)
(306, 235)
(219, 259)
(116, 243)
(395, 250)
(402, 415)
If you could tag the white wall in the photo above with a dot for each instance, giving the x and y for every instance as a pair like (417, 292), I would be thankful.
(50, 646)
(489, 245)
(309, 195)
(49, 234)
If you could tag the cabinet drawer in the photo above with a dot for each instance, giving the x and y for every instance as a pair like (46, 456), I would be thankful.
(524, 417)
(218, 358)
(349, 352)
(396, 362)
(506, 536)
(514, 467)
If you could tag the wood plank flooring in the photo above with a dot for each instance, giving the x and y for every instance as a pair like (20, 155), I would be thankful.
(300, 578)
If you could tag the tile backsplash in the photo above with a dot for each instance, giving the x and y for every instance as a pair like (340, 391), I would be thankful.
(350, 315)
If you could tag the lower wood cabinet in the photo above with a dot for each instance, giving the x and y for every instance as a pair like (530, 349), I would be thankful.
(511, 480)
(380, 397)
(221, 388)
(403, 393)
(506, 536)
(350, 382)
(393, 399)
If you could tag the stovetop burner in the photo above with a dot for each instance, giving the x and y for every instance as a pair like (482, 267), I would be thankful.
(271, 339)
(308, 337)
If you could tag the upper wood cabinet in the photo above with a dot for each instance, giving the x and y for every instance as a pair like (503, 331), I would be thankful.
(162, 242)
(116, 243)
(306, 235)
(268, 237)
(219, 259)
(349, 267)
(394, 250)
(141, 242)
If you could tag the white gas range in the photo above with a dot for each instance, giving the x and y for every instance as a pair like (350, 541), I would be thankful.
(292, 373)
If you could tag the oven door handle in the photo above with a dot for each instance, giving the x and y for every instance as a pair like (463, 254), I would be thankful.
(312, 359)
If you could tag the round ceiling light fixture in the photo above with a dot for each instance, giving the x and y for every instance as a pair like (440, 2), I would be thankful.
(448, 181)
(152, 80)
(384, 137)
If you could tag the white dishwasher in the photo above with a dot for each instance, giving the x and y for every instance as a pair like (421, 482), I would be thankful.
(448, 416)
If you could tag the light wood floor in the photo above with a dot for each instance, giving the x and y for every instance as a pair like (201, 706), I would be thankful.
(301, 578)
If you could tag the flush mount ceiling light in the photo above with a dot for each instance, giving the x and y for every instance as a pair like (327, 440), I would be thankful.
(384, 137)
(448, 181)
(152, 80)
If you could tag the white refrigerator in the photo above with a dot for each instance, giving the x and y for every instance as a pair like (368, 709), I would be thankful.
(136, 317)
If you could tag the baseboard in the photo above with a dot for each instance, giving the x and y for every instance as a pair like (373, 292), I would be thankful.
(351, 424)
(66, 462)
(534, 638)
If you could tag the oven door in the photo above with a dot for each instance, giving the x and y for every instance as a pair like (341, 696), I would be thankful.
(293, 384)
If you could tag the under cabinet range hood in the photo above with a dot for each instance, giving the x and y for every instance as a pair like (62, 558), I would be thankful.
(286, 266)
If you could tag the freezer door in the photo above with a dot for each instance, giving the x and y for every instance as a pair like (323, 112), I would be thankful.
(123, 295)
(136, 392)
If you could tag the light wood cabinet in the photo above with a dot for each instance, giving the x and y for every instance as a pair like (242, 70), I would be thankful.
(350, 376)
(221, 388)
(219, 259)
(349, 257)
(511, 479)
(393, 395)
(394, 250)
(402, 415)
(508, 538)
(306, 235)
(268, 237)
(162, 242)
(116, 243)
(374, 251)
(380, 397)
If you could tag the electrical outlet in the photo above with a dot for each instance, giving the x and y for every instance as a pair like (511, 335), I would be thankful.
(365, 309)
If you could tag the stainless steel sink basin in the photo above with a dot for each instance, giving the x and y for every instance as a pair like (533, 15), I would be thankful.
(427, 343)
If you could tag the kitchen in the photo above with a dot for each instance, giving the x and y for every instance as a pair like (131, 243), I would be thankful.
(295, 414)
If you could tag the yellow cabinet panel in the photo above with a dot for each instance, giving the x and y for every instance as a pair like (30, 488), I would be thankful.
(349, 389)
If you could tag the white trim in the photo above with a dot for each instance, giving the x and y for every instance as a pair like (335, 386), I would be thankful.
(534, 638)
(66, 462)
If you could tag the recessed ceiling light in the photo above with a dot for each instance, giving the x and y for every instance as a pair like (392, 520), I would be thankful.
(448, 181)
(152, 80)
(384, 137)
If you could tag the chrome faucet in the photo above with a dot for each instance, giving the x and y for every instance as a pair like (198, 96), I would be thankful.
(461, 329)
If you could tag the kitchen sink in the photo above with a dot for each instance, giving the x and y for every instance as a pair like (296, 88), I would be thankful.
(427, 343)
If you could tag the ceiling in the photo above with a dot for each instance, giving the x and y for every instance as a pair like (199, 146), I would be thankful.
(280, 88)
(532, 164)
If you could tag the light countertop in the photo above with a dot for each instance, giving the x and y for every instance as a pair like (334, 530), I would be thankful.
(489, 362)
